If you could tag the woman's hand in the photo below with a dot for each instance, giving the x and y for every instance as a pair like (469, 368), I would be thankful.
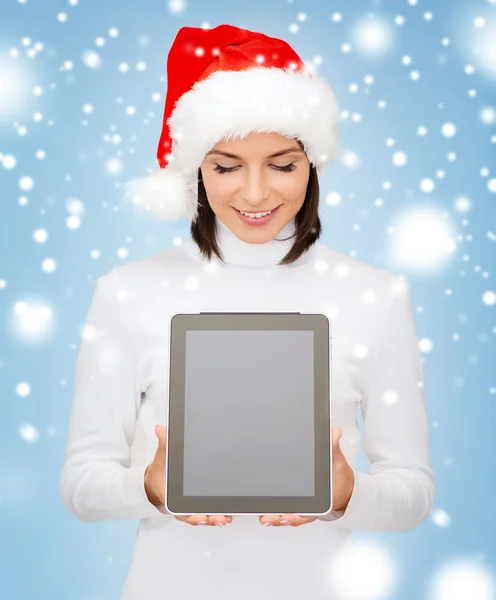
(206, 520)
(155, 484)
(343, 482)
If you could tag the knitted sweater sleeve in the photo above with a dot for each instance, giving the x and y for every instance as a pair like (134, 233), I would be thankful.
(97, 481)
(398, 492)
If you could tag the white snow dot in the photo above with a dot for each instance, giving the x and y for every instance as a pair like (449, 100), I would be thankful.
(156, 97)
(414, 75)
(123, 67)
(293, 28)
(360, 351)
(469, 70)
(87, 108)
(440, 518)
(337, 17)
(95, 254)
(368, 80)
(368, 557)
(199, 51)
(488, 115)
(113, 32)
(8, 161)
(48, 265)
(73, 222)
(131, 110)
(40, 236)
(390, 397)
(479, 22)
(29, 433)
(463, 204)
(368, 297)
(141, 66)
(62, 17)
(399, 159)
(302, 17)
(427, 185)
(399, 20)
(37, 90)
(373, 37)
(489, 298)
(192, 283)
(350, 159)
(114, 166)
(100, 42)
(26, 183)
(123, 253)
(321, 266)
(75, 206)
(333, 199)
(23, 389)
(428, 16)
(91, 59)
(463, 579)
(342, 270)
(3, 284)
(491, 185)
(448, 130)
(422, 131)
(177, 6)
(406, 60)
(425, 345)
(345, 48)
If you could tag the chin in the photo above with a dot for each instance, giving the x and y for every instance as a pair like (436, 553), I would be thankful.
(256, 235)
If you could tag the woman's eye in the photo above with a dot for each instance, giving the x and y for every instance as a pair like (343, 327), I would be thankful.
(285, 168)
(220, 169)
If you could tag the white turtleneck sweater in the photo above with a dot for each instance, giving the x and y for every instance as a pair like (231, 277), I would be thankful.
(120, 393)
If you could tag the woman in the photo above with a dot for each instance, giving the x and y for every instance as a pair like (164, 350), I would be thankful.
(246, 130)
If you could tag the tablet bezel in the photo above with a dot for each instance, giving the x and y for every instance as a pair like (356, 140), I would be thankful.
(319, 504)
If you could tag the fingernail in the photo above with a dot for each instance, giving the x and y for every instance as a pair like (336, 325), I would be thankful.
(284, 522)
(268, 523)
(203, 522)
(219, 523)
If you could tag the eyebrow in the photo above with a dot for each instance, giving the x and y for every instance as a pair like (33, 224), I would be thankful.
(280, 153)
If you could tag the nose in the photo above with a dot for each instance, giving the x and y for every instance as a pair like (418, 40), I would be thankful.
(255, 190)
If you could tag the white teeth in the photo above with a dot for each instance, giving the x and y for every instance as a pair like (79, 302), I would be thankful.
(255, 215)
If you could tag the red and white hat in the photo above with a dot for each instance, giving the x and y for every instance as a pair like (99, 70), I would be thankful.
(225, 83)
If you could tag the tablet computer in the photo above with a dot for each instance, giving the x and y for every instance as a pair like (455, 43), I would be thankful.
(249, 429)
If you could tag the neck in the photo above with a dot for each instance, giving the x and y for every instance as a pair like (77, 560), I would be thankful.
(236, 252)
(240, 253)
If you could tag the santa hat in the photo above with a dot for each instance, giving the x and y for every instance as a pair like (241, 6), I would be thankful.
(225, 83)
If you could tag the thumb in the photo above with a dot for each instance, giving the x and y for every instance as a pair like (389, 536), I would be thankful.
(337, 432)
(161, 433)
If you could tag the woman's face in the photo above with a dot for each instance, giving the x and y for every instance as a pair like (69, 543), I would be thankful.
(256, 181)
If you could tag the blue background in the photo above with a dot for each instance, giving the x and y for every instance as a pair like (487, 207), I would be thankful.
(45, 552)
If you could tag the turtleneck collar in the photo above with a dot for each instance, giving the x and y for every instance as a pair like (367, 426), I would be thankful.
(239, 253)
(236, 252)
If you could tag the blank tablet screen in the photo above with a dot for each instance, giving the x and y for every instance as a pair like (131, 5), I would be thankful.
(249, 413)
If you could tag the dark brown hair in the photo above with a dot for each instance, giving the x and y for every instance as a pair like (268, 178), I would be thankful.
(307, 222)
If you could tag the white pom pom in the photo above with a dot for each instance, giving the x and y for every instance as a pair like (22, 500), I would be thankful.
(166, 194)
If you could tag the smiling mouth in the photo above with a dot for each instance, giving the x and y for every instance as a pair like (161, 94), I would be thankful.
(257, 211)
